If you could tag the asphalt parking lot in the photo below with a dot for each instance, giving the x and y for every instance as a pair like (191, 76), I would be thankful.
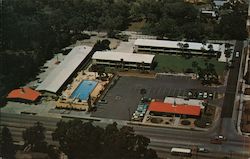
(124, 97)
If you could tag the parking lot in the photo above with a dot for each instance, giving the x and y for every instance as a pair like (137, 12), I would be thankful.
(123, 98)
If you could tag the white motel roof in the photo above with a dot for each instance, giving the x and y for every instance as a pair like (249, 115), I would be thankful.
(174, 44)
(61, 73)
(127, 57)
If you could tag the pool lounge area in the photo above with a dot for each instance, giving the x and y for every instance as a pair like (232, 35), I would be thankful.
(83, 90)
(76, 95)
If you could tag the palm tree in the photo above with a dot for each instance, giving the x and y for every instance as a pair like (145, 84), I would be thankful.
(94, 68)
(122, 63)
(186, 46)
(195, 65)
(203, 50)
(227, 53)
(142, 66)
(210, 50)
(180, 45)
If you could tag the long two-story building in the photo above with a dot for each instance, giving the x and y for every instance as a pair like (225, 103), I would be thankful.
(123, 60)
(176, 47)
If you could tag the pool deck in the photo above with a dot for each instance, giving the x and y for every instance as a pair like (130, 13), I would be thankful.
(66, 101)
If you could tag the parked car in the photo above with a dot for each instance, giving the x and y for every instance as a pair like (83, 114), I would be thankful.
(190, 94)
(39, 81)
(200, 95)
(237, 54)
(210, 95)
(205, 95)
(103, 101)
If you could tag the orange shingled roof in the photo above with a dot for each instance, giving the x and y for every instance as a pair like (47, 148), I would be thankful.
(24, 93)
(176, 109)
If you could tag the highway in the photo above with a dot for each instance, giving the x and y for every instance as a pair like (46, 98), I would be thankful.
(162, 139)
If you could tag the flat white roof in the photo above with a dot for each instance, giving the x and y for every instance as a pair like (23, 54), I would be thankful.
(61, 73)
(174, 44)
(181, 101)
(209, 12)
(127, 57)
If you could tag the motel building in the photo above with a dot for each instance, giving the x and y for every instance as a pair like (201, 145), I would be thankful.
(68, 84)
(177, 47)
(24, 95)
(177, 107)
(123, 60)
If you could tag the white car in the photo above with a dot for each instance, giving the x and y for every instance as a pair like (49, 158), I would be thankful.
(205, 95)
(237, 54)
(202, 149)
(221, 137)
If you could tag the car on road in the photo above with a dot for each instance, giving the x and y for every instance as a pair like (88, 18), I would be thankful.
(237, 54)
(203, 150)
(221, 137)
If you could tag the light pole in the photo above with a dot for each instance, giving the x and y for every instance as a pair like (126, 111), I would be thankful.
(129, 113)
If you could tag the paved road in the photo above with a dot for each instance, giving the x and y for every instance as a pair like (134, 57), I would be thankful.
(162, 139)
(229, 112)
(228, 105)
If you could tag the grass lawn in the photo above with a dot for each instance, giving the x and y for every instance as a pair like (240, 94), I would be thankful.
(180, 64)
(136, 26)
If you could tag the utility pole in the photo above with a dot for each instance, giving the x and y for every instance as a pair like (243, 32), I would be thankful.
(129, 113)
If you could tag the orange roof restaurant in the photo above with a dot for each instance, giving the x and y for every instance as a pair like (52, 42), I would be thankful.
(26, 95)
(161, 108)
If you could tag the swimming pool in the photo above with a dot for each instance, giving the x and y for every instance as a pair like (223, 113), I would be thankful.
(84, 89)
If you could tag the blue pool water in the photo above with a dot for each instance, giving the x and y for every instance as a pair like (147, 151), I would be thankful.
(84, 89)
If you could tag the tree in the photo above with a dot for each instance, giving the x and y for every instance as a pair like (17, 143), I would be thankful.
(208, 75)
(195, 65)
(143, 66)
(232, 26)
(34, 138)
(7, 148)
(79, 140)
(181, 46)
(187, 52)
(53, 152)
(122, 63)
(228, 53)
(84, 140)
(211, 50)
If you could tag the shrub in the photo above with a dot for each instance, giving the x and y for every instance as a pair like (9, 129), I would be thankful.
(156, 120)
(185, 122)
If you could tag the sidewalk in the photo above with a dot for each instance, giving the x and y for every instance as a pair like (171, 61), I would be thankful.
(243, 97)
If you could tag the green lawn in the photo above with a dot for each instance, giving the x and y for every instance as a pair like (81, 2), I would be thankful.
(167, 63)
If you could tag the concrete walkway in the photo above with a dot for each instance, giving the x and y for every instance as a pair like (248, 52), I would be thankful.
(243, 97)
